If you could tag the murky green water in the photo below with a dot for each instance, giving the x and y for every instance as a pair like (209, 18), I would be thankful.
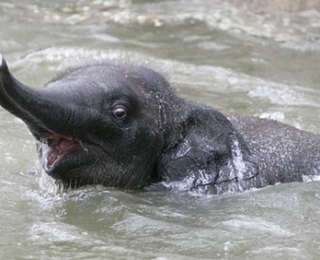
(237, 60)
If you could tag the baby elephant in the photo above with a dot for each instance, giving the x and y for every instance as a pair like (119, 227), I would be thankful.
(123, 126)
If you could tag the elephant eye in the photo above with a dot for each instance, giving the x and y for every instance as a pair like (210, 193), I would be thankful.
(119, 112)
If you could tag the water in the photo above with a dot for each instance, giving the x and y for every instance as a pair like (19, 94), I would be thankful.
(241, 59)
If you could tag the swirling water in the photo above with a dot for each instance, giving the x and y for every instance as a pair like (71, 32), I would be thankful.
(237, 58)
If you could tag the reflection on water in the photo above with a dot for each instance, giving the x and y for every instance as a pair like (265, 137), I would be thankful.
(239, 59)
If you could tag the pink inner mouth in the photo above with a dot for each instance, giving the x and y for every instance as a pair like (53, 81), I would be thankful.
(58, 146)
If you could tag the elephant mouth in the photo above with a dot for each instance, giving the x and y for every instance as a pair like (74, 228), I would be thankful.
(57, 148)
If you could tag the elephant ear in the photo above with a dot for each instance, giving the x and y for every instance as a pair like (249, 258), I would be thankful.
(238, 171)
(211, 156)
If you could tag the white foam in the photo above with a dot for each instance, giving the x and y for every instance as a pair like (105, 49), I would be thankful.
(309, 178)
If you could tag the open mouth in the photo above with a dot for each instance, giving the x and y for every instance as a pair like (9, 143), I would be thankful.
(57, 147)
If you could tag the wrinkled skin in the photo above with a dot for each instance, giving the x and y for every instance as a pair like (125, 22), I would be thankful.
(123, 126)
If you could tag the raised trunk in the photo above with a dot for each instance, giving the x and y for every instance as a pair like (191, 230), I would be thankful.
(38, 108)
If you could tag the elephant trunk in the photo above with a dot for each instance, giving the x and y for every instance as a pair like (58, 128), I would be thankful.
(38, 108)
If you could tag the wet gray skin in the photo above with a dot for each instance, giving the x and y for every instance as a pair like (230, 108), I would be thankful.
(123, 126)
